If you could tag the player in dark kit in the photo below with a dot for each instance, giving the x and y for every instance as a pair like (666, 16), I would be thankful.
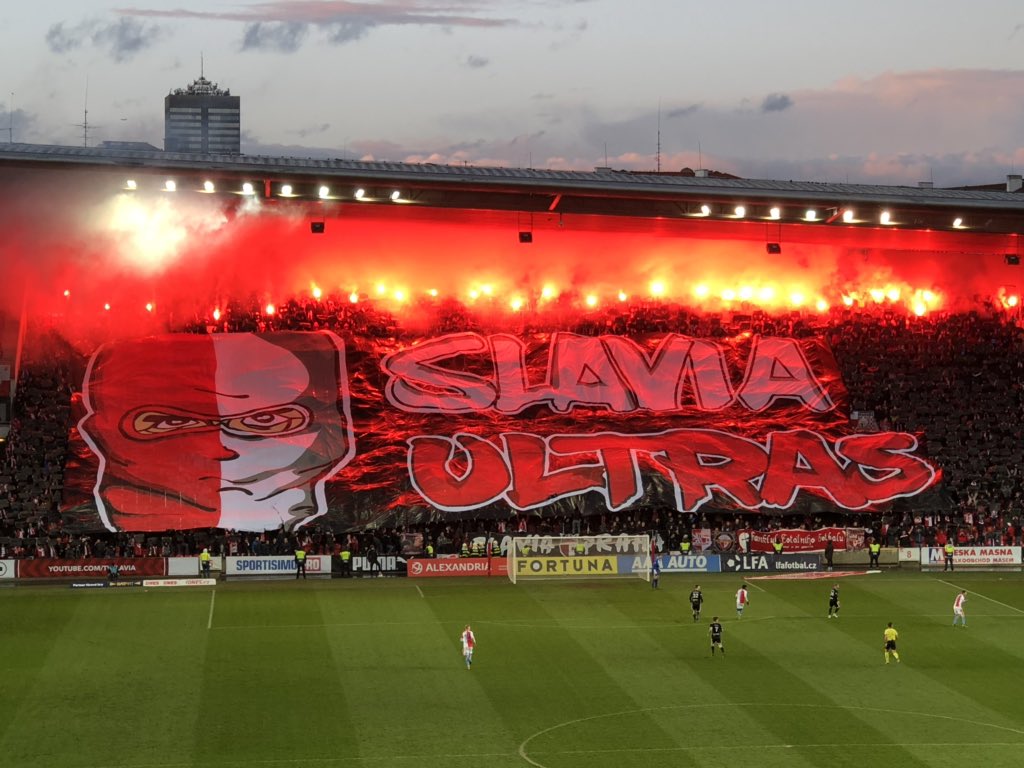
(833, 602)
(696, 601)
(715, 630)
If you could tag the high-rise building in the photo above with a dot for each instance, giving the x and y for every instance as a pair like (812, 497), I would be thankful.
(202, 118)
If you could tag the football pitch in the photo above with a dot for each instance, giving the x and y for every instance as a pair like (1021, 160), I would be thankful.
(567, 674)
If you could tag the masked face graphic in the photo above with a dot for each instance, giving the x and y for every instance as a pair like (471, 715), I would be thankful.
(235, 431)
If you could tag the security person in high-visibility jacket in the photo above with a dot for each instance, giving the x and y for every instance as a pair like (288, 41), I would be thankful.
(204, 563)
(874, 550)
(300, 562)
(685, 546)
(581, 548)
(430, 550)
(346, 563)
(464, 552)
(949, 549)
(777, 545)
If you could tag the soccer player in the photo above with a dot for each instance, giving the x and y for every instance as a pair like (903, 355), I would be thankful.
(468, 644)
(833, 602)
(890, 636)
(715, 630)
(742, 600)
(696, 601)
(655, 570)
(958, 609)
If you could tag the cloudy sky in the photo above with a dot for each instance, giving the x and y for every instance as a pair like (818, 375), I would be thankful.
(877, 91)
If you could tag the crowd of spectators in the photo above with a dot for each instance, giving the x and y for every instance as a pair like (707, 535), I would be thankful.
(952, 378)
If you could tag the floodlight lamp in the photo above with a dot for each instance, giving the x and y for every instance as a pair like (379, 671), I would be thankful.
(170, 185)
(396, 196)
(208, 186)
(286, 190)
(324, 192)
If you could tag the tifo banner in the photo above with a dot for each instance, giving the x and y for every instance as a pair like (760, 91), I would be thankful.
(963, 556)
(793, 540)
(127, 567)
(257, 432)
(271, 565)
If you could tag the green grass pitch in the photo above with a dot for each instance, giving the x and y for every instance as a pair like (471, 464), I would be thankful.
(566, 675)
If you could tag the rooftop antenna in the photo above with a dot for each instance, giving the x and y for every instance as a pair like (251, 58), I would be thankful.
(658, 155)
(202, 67)
(10, 117)
(84, 125)
(700, 157)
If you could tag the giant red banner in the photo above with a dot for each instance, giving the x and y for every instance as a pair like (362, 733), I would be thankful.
(265, 431)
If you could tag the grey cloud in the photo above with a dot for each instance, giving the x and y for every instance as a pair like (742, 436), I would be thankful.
(62, 39)
(284, 37)
(477, 62)
(122, 38)
(349, 30)
(126, 37)
(682, 111)
(282, 25)
(776, 102)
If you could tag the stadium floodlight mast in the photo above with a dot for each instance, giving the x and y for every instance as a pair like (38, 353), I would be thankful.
(605, 556)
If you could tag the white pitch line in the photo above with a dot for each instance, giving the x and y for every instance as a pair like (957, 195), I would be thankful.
(209, 621)
(419, 590)
(756, 586)
(986, 597)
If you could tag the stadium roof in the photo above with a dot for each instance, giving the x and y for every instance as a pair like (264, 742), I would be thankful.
(603, 191)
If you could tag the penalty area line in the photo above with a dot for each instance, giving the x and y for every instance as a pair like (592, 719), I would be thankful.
(209, 621)
(985, 597)
(419, 590)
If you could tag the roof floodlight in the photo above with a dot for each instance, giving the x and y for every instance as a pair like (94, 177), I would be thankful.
(775, 213)
(247, 188)
(885, 217)
(740, 211)
(705, 210)
(811, 215)
(286, 190)
(170, 185)
(324, 192)
(396, 195)
(131, 184)
(360, 193)
(848, 216)
(208, 186)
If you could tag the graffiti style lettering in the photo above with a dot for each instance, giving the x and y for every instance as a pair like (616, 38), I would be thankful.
(856, 472)
(608, 372)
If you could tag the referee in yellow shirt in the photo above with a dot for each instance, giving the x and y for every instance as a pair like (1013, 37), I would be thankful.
(890, 636)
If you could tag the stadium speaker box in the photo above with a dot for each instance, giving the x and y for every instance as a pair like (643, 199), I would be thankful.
(773, 247)
(526, 237)
(1012, 259)
(317, 227)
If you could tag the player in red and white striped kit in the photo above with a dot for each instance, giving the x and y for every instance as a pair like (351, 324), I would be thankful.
(468, 644)
(742, 600)
(958, 609)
